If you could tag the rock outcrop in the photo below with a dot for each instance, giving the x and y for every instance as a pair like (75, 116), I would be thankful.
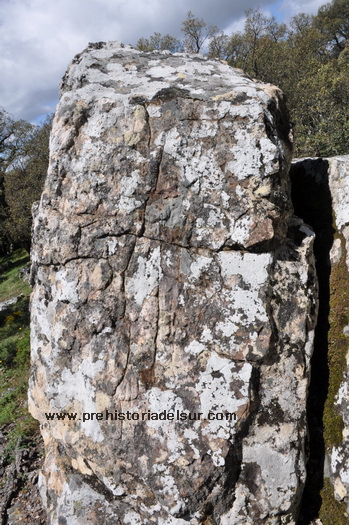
(174, 303)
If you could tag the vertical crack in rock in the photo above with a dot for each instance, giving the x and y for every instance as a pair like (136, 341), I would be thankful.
(128, 331)
(312, 201)
(321, 198)
(173, 307)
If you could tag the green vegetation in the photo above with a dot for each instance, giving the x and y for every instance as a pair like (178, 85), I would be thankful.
(10, 285)
(337, 347)
(24, 152)
(196, 32)
(160, 42)
(332, 512)
(15, 352)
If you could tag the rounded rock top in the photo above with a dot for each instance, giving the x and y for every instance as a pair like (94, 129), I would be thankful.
(114, 65)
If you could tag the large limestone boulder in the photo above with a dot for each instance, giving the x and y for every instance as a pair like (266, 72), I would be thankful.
(174, 298)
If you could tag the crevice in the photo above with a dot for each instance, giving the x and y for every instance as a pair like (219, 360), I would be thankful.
(157, 323)
(124, 276)
(258, 248)
(114, 235)
(312, 202)
(170, 93)
(234, 459)
(154, 167)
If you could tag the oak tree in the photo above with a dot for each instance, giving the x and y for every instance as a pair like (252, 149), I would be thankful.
(196, 33)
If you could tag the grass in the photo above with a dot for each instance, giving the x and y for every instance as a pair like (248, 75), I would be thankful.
(15, 353)
(10, 283)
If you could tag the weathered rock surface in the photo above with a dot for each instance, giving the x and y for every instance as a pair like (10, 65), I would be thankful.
(170, 278)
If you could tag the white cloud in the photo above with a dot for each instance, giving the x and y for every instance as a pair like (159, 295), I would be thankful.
(294, 7)
(38, 38)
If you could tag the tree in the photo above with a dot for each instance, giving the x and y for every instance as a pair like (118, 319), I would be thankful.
(257, 50)
(219, 47)
(24, 183)
(13, 135)
(24, 179)
(196, 32)
(261, 33)
(301, 22)
(160, 42)
(322, 113)
(6, 132)
(6, 129)
(333, 22)
(233, 48)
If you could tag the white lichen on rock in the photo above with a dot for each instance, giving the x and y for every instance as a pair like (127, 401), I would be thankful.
(167, 282)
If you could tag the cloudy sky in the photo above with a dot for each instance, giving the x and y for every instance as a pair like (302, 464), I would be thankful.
(38, 38)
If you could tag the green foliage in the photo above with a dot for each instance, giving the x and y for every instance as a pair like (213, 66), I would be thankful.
(258, 50)
(263, 34)
(24, 180)
(160, 42)
(221, 46)
(13, 139)
(10, 394)
(196, 32)
(15, 341)
(317, 95)
(333, 22)
(24, 154)
(6, 125)
(22, 359)
(8, 349)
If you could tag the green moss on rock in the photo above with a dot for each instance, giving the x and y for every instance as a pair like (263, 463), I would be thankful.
(333, 512)
(337, 347)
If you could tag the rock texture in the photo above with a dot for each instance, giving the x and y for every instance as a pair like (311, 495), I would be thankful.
(170, 279)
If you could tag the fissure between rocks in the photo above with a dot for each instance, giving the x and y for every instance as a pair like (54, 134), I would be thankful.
(312, 202)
